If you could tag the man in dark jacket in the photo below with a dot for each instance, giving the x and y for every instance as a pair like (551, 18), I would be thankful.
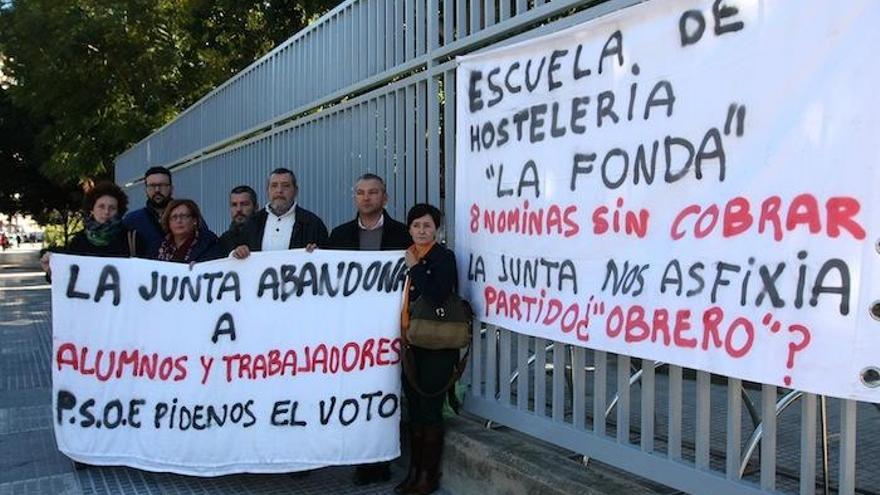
(371, 230)
(282, 224)
(242, 205)
(145, 221)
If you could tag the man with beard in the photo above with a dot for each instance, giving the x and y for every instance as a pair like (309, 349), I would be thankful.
(157, 181)
(372, 229)
(242, 204)
(282, 224)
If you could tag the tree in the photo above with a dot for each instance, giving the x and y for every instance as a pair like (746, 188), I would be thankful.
(99, 75)
(23, 188)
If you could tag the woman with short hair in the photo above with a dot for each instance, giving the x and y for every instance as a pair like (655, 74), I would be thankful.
(433, 275)
(103, 235)
(184, 241)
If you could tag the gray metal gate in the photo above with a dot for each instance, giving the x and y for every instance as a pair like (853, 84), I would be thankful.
(371, 87)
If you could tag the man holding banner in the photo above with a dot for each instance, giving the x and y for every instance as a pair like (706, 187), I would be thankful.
(372, 229)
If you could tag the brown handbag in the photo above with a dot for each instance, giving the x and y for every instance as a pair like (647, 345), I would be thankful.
(447, 326)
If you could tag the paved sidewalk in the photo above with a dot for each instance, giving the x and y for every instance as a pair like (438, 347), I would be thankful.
(29, 459)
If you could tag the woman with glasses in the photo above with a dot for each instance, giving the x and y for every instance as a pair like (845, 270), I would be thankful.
(185, 241)
(104, 234)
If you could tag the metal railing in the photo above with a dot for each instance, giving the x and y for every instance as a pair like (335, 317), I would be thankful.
(371, 87)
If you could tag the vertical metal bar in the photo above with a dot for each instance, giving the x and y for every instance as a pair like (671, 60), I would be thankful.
(410, 29)
(826, 471)
(420, 27)
(400, 151)
(401, 31)
(477, 352)
(504, 352)
(675, 398)
(579, 387)
(433, 131)
(491, 362)
(600, 385)
(540, 377)
(847, 447)
(702, 434)
(371, 148)
(808, 444)
(421, 124)
(449, 146)
(389, 31)
(733, 450)
(448, 21)
(372, 37)
(476, 15)
(647, 413)
(505, 9)
(364, 38)
(623, 374)
(461, 19)
(522, 372)
(490, 11)
(768, 437)
(558, 407)
(433, 28)
(521, 6)
(382, 39)
(411, 162)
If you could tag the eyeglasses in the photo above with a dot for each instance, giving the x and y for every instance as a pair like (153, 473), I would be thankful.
(156, 187)
(177, 217)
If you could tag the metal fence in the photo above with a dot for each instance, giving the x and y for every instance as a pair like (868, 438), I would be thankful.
(371, 87)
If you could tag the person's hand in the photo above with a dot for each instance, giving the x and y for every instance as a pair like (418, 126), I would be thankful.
(241, 252)
(44, 262)
(311, 247)
(411, 258)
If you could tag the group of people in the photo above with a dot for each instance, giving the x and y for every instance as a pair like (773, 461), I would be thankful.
(173, 230)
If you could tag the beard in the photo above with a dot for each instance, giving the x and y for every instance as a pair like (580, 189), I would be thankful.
(159, 201)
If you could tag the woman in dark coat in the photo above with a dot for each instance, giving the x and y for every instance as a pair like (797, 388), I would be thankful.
(433, 275)
(184, 241)
(104, 234)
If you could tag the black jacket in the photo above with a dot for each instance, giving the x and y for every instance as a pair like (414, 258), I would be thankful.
(116, 248)
(233, 238)
(394, 235)
(434, 276)
(307, 229)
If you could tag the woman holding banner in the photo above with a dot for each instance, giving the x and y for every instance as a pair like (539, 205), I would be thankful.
(184, 241)
(432, 275)
(104, 234)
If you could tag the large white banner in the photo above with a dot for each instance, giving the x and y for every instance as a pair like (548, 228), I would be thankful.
(687, 181)
(283, 362)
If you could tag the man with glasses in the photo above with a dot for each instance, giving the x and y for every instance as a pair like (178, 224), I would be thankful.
(159, 189)
(242, 205)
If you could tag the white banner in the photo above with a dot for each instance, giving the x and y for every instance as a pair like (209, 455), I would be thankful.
(686, 181)
(283, 362)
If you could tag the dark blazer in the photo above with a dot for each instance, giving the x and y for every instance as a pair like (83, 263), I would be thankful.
(434, 276)
(233, 238)
(394, 235)
(307, 229)
(206, 248)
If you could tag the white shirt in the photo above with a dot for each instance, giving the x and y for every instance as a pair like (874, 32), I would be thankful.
(378, 225)
(276, 235)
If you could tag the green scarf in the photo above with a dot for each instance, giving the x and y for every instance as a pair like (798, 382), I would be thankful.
(100, 234)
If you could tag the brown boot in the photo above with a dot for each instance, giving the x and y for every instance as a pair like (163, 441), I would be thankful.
(416, 437)
(428, 479)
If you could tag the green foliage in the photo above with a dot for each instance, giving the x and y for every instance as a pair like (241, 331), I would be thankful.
(95, 76)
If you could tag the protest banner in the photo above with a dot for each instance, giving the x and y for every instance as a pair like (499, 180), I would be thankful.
(283, 362)
(686, 181)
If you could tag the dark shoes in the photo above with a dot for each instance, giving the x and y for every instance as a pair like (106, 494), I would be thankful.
(426, 450)
(366, 474)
